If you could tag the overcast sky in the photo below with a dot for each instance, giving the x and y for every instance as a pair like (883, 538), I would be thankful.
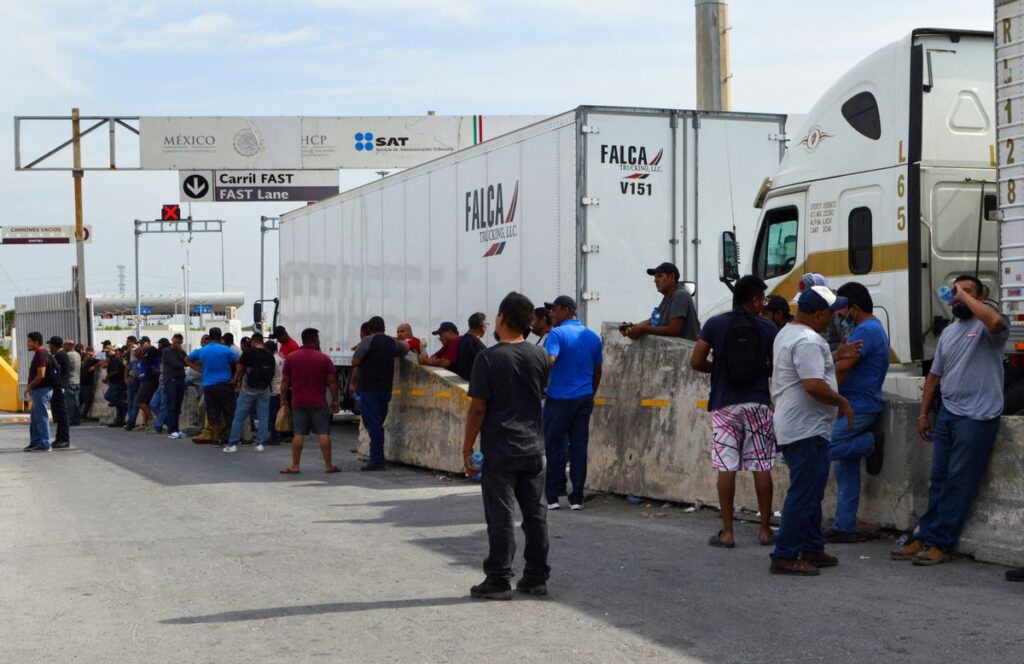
(370, 57)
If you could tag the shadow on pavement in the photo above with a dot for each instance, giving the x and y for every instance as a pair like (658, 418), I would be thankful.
(315, 609)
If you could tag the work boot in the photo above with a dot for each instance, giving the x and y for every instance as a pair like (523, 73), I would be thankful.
(933, 555)
(492, 589)
(907, 552)
(1015, 574)
(793, 567)
(535, 587)
(819, 558)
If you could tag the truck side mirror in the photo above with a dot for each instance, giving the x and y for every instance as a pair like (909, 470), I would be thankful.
(257, 315)
(728, 257)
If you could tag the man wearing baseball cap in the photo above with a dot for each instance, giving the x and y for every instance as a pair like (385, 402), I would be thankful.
(806, 397)
(777, 310)
(574, 352)
(676, 316)
(448, 333)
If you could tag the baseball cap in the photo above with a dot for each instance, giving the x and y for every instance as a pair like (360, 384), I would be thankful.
(561, 301)
(56, 341)
(778, 303)
(664, 268)
(812, 279)
(819, 298)
(446, 326)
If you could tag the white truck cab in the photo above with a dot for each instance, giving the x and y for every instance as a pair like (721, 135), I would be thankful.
(890, 183)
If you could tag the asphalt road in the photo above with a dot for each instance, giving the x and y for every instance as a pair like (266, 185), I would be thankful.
(133, 548)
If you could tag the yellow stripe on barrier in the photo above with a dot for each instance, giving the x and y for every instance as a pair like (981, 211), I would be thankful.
(600, 401)
(654, 403)
(418, 393)
(443, 395)
(702, 404)
(396, 393)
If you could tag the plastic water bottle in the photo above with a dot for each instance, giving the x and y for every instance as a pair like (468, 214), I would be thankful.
(477, 461)
(945, 294)
(655, 317)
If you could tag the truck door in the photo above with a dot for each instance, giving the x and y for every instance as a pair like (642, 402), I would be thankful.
(780, 252)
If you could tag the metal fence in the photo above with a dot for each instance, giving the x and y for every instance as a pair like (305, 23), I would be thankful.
(47, 313)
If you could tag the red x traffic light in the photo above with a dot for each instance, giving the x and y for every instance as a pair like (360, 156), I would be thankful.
(171, 212)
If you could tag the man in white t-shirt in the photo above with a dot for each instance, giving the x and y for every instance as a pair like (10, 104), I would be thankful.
(275, 393)
(804, 391)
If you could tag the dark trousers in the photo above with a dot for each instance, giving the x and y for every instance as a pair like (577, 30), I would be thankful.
(567, 418)
(373, 407)
(85, 402)
(800, 529)
(960, 453)
(275, 405)
(72, 397)
(116, 397)
(174, 393)
(59, 408)
(503, 483)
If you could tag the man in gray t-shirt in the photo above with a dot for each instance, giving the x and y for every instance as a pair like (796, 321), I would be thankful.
(676, 316)
(804, 392)
(968, 365)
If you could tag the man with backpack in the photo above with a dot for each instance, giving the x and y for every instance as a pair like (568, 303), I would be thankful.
(39, 391)
(740, 346)
(254, 372)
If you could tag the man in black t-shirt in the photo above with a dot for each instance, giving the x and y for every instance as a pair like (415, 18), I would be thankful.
(470, 345)
(506, 388)
(90, 365)
(58, 403)
(373, 376)
(117, 390)
(254, 371)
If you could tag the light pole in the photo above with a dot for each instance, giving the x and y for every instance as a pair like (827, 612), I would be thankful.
(267, 224)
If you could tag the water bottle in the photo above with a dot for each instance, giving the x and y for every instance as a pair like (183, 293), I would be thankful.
(945, 294)
(477, 461)
(656, 317)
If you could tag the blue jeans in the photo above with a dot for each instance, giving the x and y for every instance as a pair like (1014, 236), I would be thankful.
(567, 418)
(962, 447)
(248, 401)
(39, 417)
(158, 404)
(115, 396)
(373, 407)
(846, 449)
(174, 393)
(133, 407)
(800, 529)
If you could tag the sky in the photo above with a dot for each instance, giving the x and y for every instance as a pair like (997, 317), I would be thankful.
(379, 57)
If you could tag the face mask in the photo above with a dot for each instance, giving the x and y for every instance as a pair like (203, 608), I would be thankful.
(962, 311)
(847, 324)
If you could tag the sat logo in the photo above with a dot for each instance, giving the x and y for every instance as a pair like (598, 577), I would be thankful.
(366, 141)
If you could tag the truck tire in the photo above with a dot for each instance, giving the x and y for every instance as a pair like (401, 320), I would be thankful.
(1013, 399)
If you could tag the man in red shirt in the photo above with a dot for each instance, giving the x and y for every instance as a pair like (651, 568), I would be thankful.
(307, 375)
(444, 358)
(286, 345)
(404, 333)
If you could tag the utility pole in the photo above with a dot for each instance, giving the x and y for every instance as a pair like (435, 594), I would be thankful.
(267, 224)
(714, 90)
(84, 324)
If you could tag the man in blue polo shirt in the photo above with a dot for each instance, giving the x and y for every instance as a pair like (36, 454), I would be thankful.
(574, 352)
(217, 364)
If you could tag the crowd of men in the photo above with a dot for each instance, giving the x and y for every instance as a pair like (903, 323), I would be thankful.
(777, 386)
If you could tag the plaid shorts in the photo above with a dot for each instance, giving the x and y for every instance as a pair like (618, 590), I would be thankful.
(742, 438)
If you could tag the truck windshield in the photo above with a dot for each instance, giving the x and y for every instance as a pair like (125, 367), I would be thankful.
(776, 243)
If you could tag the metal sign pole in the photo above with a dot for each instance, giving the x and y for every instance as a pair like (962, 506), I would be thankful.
(84, 324)
(138, 297)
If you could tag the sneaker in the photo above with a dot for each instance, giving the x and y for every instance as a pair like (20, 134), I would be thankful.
(907, 552)
(258, 448)
(1015, 574)
(819, 559)
(177, 435)
(60, 446)
(535, 588)
(36, 448)
(932, 555)
(575, 507)
(230, 449)
(554, 506)
(492, 589)
(833, 536)
(793, 567)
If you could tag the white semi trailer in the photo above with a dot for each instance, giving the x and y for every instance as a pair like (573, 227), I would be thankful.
(581, 204)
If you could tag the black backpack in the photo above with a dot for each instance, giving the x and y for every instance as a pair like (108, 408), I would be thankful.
(262, 373)
(745, 351)
(52, 377)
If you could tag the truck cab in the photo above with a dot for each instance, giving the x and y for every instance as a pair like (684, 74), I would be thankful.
(891, 183)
